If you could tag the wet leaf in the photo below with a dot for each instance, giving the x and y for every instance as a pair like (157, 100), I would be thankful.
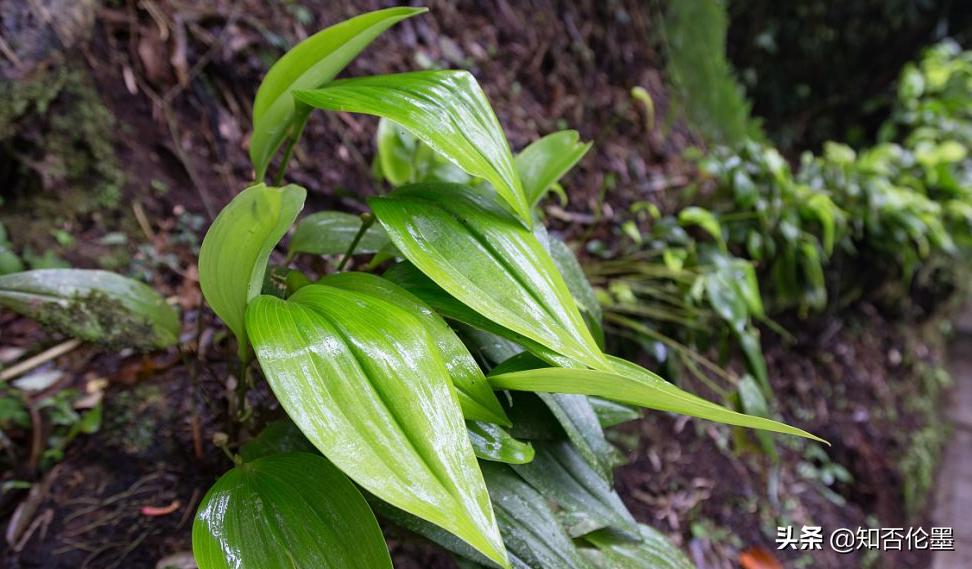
(362, 379)
(533, 536)
(634, 385)
(331, 233)
(492, 442)
(287, 511)
(610, 413)
(570, 268)
(476, 397)
(310, 64)
(489, 263)
(447, 110)
(234, 253)
(95, 306)
(546, 160)
(561, 474)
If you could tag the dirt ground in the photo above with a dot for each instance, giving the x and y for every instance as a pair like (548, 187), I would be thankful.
(179, 78)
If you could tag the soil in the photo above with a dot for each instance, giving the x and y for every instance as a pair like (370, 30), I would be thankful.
(179, 80)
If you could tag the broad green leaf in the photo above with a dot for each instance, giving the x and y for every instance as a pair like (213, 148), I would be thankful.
(476, 398)
(403, 159)
(634, 385)
(546, 160)
(407, 276)
(234, 253)
(492, 442)
(278, 437)
(725, 299)
(287, 511)
(429, 531)
(575, 415)
(95, 306)
(447, 110)
(489, 263)
(654, 551)
(310, 64)
(610, 413)
(331, 233)
(363, 380)
(533, 535)
(561, 474)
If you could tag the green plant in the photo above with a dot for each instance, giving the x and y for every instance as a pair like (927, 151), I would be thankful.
(378, 372)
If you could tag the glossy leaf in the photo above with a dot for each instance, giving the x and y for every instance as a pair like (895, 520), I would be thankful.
(331, 233)
(287, 511)
(234, 253)
(362, 379)
(703, 218)
(492, 442)
(654, 551)
(561, 474)
(476, 398)
(310, 64)
(545, 161)
(95, 306)
(489, 263)
(632, 384)
(575, 415)
(407, 276)
(533, 535)
(429, 531)
(447, 110)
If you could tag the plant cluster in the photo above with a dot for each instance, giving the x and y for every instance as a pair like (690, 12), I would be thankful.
(461, 394)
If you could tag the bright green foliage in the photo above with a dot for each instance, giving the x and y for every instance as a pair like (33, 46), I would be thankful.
(363, 380)
(310, 64)
(378, 373)
(96, 306)
(286, 511)
(475, 395)
(332, 232)
(492, 442)
(632, 384)
(546, 160)
(234, 254)
(447, 110)
(487, 261)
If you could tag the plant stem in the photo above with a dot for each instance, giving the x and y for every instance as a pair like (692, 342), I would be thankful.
(367, 220)
(292, 140)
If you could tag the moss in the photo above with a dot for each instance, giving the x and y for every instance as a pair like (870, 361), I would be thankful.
(97, 317)
(57, 135)
(919, 462)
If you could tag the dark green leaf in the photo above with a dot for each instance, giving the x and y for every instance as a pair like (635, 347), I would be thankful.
(532, 534)
(654, 551)
(492, 442)
(545, 161)
(574, 276)
(279, 437)
(447, 110)
(363, 380)
(287, 511)
(476, 398)
(310, 64)
(234, 253)
(331, 233)
(561, 474)
(489, 263)
(95, 306)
